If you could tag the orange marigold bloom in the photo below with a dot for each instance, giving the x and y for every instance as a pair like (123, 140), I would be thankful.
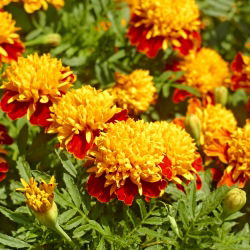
(6, 2)
(217, 124)
(203, 70)
(80, 115)
(155, 24)
(238, 158)
(32, 84)
(127, 158)
(241, 72)
(11, 46)
(31, 6)
(135, 91)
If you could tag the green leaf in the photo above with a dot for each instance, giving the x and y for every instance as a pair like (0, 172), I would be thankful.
(96, 226)
(174, 225)
(73, 223)
(80, 231)
(66, 216)
(191, 198)
(101, 245)
(155, 221)
(22, 139)
(186, 88)
(72, 189)
(66, 162)
(14, 216)
(142, 207)
(12, 242)
(182, 209)
(23, 169)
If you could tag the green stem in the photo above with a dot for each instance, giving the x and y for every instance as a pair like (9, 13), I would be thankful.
(60, 231)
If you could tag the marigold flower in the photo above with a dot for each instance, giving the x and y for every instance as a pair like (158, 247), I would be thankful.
(127, 158)
(6, 2)
(241, 72)
(11, 46)
(155, 24)
(80, 115)
(203, 70)
(39, 197)
(238, 158)
(31, 6)
(217, 124)
(135, 91)
(32, 84)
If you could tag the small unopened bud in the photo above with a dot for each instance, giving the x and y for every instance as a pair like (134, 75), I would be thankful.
(234, 200)
(52, 39)
(221, 95)
(193, 127)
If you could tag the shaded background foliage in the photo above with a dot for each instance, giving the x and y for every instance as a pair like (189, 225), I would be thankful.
(177, 220)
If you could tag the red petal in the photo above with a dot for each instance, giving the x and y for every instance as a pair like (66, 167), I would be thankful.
(238, 63)
(2, 176)
(121, 116)
(95, 188)
(153, 189)
(78, 145)
(216, 174)
(180, 95)
(197, 164)
(4, 168)
(127, 192)
(198, 182)
(166, 168)
(14, 51)
(5, 106)
(41, 114)
(4, 137)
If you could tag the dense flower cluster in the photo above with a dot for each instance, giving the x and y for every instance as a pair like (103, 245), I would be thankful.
(80, 115)
(203, 70)
(156, 24)
(31, 85)
(11, 46)
(135, 91)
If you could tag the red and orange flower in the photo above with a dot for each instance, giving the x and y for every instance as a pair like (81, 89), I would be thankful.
(11, 46)
(204, 70)
(79, 117)
(31, 6)
(31, 85)
(156, 24)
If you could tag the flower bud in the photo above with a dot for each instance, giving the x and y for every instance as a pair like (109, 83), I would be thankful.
(221, 95)
(234, 200)
(52, 39)
(193, 127)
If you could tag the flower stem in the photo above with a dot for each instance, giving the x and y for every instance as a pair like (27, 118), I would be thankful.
(61, 232)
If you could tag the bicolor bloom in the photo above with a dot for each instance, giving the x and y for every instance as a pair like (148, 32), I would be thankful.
(181, 161)
(39, 196)
(135, 91)
(238, 158)
(127, 161)
(79, 117)
(217, 125)
(11, 46)
(241, 72)
(31, 85)
(5, 139)
(203, 70)
(31, 6)
(156, 24)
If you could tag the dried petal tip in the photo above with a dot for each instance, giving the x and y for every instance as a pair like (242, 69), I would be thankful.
(234, 200)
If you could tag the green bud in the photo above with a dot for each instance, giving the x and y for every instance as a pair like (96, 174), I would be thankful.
(234, 200)
(52, 39)
(193, 127)
(221, 95)
(48, 218)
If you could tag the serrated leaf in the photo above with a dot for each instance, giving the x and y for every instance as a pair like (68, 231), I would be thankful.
(66, 162)
(12, 242)
(186, 88)
(154, 221)
(96, 226)
(66, 216)
(14, 216)
(142, 208)
(72, 189)
(73, 223)
(191, 198)
(101, 245)
(174, 225)
(23, 169)
(80, 231)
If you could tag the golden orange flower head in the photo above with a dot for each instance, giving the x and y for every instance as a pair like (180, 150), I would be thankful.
(135, 91)
(241, 72)
(6, 2)
(162, 22)
(32, 84)
(81, 112)
(127, 158)
(10, 45)
(31, 6)
(39, 196)
(204, 70)
(180, 151)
